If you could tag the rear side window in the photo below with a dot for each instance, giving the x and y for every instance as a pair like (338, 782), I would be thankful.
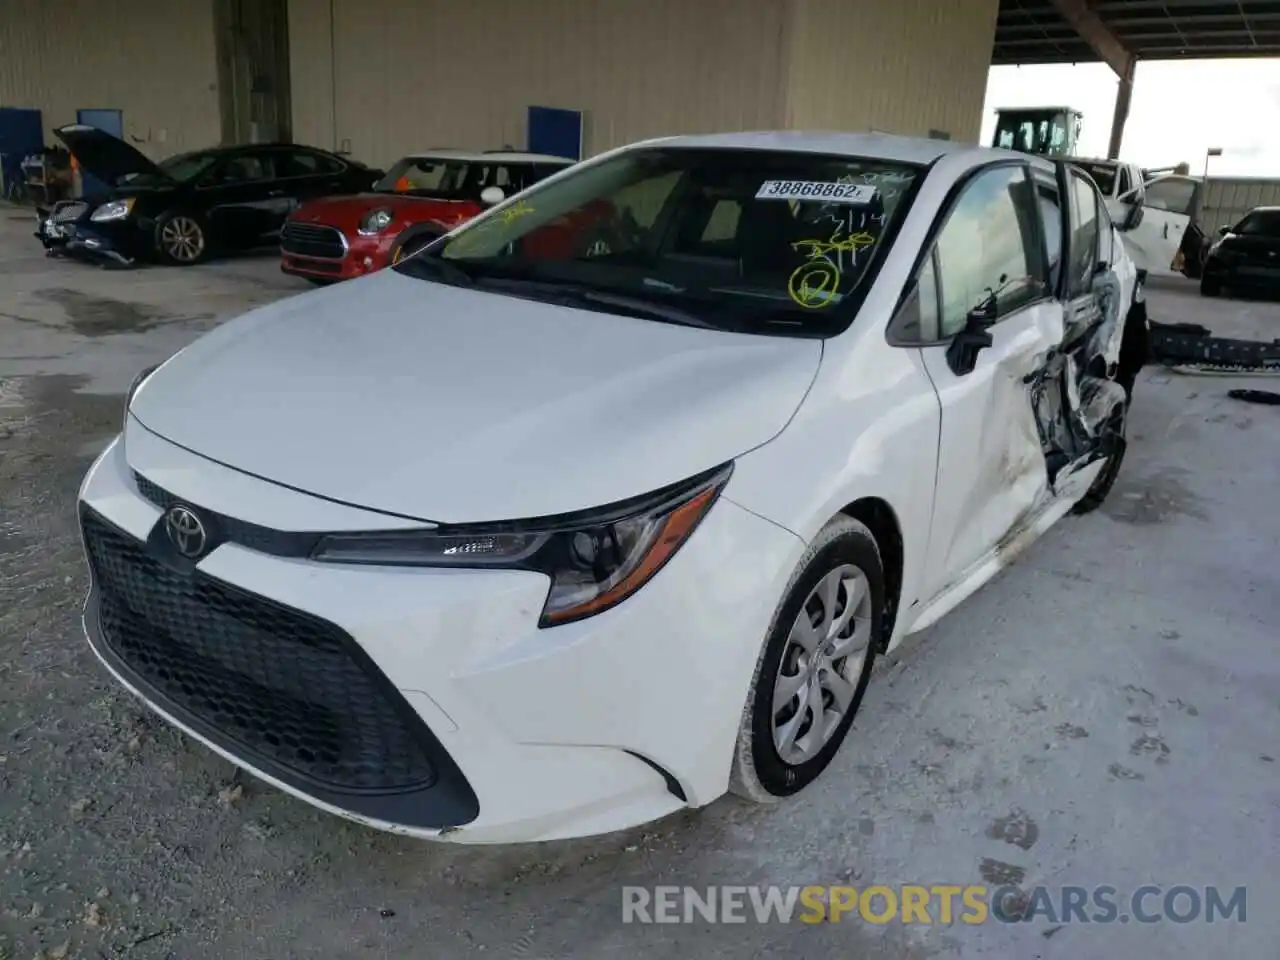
(1084, 236)
(304, 163)
(988, 250)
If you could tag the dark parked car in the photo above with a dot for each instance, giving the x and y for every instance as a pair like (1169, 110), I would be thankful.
(191, 206)
(1246, 256)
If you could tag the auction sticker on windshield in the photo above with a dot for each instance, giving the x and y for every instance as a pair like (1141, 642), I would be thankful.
(816, 190)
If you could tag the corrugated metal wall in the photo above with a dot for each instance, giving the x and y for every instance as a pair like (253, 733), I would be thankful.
(463, 74)
(382, 78)
(1227, 199)
(901, 66)
(152, 59)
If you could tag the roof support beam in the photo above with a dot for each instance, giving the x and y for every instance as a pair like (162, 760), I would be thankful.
(1079, 13)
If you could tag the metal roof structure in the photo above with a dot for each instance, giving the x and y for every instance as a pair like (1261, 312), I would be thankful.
(1067, 31)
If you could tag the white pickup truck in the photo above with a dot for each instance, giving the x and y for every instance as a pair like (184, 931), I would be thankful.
(1164, 243)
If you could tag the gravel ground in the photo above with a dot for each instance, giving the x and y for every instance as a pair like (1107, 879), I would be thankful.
(1105, 712)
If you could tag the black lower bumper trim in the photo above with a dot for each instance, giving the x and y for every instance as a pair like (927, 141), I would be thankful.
(445, 800)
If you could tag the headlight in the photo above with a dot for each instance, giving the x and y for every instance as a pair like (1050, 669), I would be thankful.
(375, 221)
(138, 381)
(113, 210)
(595, 559)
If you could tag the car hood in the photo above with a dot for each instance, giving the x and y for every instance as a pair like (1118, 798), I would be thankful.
(346, 212)
(456, 405)
(106, 157)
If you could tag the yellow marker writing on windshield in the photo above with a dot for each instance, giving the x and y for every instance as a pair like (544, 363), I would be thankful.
(813, 284)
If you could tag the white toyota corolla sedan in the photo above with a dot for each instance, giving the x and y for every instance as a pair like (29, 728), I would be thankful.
(604, 504)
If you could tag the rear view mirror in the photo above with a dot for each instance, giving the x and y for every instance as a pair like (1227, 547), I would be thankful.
(490, 196)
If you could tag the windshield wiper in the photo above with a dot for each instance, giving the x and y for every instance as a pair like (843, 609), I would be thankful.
(571, 293)
(426, 267)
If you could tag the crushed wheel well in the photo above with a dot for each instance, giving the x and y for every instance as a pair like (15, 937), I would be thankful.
(879, 518)
(1134, 347)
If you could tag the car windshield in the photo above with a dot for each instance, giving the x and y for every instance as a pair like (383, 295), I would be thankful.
(447, 178)
(1104, 175)
(753, 240)
(179, 168)
(1260, 223)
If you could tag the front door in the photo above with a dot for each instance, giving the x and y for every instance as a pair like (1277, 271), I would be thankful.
(1155, 242)
(991, 468)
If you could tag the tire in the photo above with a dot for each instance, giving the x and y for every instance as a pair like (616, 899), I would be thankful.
(181, 239)
(1210, 286)
(320, 281)
(1103, 483)
(411, 245)
(764, 772)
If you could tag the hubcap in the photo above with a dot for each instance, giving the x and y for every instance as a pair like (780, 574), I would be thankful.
(821, 664)
(183, 239)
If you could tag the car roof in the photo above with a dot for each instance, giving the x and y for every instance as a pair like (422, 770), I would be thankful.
(490, 156)
(886, 146)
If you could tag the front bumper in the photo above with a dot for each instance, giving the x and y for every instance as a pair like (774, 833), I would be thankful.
(524, 734)
(119, 242)
(361, 256)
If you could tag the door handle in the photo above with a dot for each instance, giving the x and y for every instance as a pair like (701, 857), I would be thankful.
(1165, 234)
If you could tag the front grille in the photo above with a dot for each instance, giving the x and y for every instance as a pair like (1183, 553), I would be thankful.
(312, 240)
(67, 211)
(225, 529)
(285, 690)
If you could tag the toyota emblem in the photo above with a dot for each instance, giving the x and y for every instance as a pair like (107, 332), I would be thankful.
(186, 532)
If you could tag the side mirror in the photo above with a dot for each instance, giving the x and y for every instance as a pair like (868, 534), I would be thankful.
(491, 196)
(1132, 217)
(1223, 231)
(963, 350)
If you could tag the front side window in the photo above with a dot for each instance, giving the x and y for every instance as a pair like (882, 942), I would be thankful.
(988, 249)
(759, 240)
(304, 163)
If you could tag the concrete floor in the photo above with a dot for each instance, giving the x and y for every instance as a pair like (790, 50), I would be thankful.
(1104, 713)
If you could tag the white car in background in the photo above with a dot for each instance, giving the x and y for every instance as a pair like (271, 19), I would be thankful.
(605, 503)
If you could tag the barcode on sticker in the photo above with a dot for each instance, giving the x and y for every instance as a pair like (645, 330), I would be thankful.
(818, 190)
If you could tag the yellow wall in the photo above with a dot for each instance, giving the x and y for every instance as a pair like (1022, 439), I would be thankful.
(152, 59)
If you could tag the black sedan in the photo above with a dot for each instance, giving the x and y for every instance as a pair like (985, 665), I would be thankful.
(191, 206)
(1245, 257)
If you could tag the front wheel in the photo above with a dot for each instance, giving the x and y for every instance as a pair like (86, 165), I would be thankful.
(1116, 444)
(813, 670)
(181, 239)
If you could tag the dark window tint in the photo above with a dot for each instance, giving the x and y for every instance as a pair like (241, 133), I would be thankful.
(247, 168)
(304, 163)
(988, 249)
(1050, 201)
(1084, 236)
(1104, 175)
(1260, 223)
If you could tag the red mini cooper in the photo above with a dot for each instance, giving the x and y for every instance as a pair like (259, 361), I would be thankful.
(422, 197)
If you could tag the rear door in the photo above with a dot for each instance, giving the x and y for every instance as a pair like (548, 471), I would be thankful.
(991, 471)
(1154, 243)
(237, 197)
(304, 175)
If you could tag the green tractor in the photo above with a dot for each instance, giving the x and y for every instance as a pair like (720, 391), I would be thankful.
(1046, 131)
